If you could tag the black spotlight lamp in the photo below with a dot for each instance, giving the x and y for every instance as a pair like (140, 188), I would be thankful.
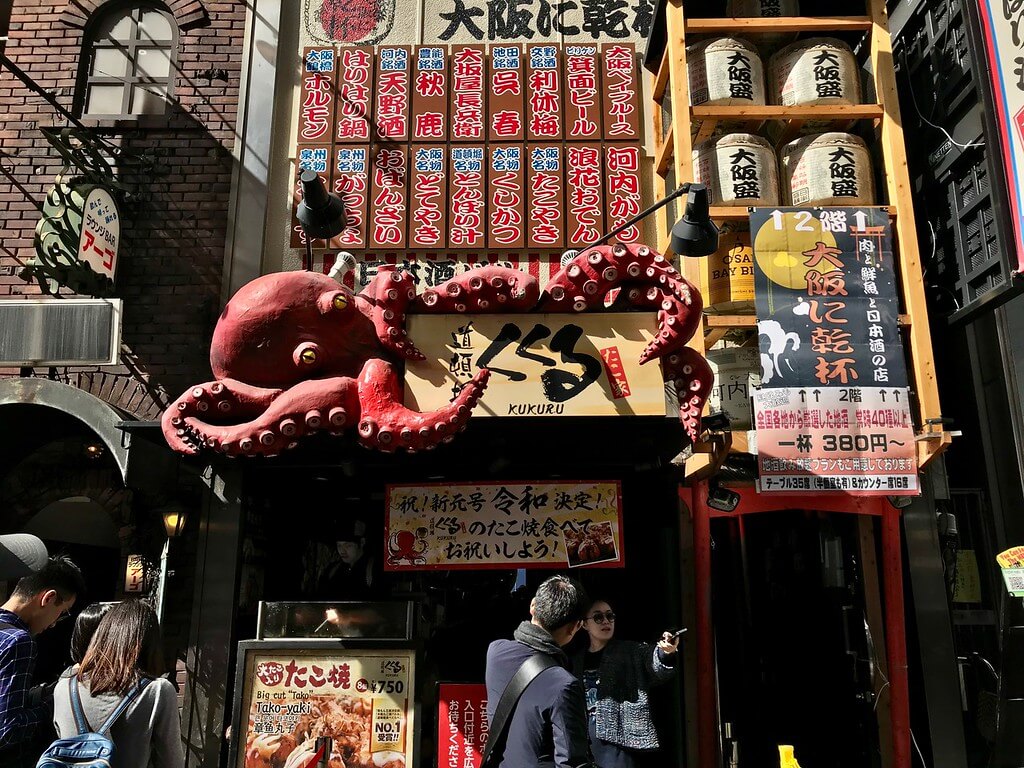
(321, 214)
(693, 235)
(721, 498)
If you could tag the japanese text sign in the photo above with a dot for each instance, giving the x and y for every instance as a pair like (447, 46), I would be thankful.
(134, 575)
(503, 525)
(391, 93)
(541, 365)
(101, 232)
(545, 208)
(354, 88)
(363, 700)
(833, 410)
(506, 188)
(1002, 26)
(505, 105)
(461, 724)
(468, 109)
(584, 194)
(388, 196)
(427, 196)
(582, 92)
(316, 99)
(621, 92)
(544, 92)
(430, 93)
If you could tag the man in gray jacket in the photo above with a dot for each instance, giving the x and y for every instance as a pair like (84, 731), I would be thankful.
(548, 728)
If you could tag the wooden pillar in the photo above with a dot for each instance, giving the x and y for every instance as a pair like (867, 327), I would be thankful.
(707, 709)
(896, 638)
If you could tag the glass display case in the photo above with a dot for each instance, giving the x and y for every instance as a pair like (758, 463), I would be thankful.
(332, 620)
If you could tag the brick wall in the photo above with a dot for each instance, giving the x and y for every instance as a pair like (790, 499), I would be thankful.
(173, 230)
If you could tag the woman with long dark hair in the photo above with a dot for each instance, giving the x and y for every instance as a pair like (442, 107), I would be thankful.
(123, 660)
(85, 627)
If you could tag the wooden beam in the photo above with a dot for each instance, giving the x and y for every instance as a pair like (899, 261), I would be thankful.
(897, 178)
(661, 78)
(664, 153)
(707, 127)
(739, 27)
(773, 112)
(713, 336)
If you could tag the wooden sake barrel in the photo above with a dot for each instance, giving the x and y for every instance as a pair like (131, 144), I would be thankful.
(821, 70)
(762, 8)
(738, 169)
(827, 169)
(727, 280)
(725, 70)
(737, 371)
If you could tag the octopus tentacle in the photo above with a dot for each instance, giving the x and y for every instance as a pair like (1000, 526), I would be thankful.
(215, 401)
(386, 424)
(585, 282)
(693, 380)
(329, 404)
(390, 294)
(486, 289)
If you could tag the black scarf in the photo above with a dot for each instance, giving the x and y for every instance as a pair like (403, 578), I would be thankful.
(540, 640)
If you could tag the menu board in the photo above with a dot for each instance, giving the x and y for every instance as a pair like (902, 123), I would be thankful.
(363, 700)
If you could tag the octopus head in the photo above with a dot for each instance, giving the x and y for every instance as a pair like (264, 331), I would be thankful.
(287, 327)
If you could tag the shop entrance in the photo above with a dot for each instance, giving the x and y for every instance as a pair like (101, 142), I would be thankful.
(794, 654)
(293, 513)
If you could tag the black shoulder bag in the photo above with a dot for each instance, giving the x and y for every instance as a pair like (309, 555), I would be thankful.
(526, 674)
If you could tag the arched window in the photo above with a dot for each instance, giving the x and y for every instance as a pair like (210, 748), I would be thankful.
(130, 56)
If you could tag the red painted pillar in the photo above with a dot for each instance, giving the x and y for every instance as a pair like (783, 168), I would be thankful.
(896, 637)
(707, 750)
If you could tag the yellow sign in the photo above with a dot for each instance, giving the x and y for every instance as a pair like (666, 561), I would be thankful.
(503, 525)
(1011, 558)
(541, 365)
(362, 700)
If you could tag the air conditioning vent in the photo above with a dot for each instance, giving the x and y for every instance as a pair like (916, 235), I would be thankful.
(38, 332)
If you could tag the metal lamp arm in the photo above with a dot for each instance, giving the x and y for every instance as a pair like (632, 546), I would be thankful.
(682, 190)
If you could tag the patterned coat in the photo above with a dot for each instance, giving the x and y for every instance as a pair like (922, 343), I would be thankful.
(628, 670)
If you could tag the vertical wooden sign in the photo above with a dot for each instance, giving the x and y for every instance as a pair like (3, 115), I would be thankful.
(544, 93)
(389, 196)
(506, 189)
(622, 176)
(545, 200)
(427, 196)
(391, 93)
(466, 196)
(584, 194)
(430, 94)
(351, 183)
(354, 89)
(468, 109)
(505, 104)
(620, 92)
(316, 96)
(582, 93)
(309, 158)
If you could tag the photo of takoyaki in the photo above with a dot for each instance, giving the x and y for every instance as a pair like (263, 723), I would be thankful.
(345, 719)
(595, 545)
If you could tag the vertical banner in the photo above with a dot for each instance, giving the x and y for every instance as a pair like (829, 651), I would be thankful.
(466, 222)
(582, 97)
(468, 103)
(505, 104)
(544, 92)
(832, 413)
(351, 179)
(620, 92)
(391, 93)
(354, 89)
(388, 196)
(135, 575)
(427, 196)
(622, 174)
(1002, 25)
(461, 724)
(317, 159)
(430, 94)
(546, 208)
(584, 193)
(316, 97)
(506, 205)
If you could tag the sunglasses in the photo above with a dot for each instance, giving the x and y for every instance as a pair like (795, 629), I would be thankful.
(601, 618)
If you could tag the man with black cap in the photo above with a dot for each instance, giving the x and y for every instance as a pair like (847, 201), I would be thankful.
(39, 601)
(352, 577)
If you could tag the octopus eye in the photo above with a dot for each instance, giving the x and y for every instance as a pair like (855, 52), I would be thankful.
(308, 356)
(340, 301)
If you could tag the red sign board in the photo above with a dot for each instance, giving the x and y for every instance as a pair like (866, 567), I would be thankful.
(316, 99)
(466, 222)
(582, 92)
(544, 92)
(546, 205)
(622, 177)
(506, 189)
(584, 194)
(427, 196)
(461, 724)
(354, 87)
(621, 92)
(505, 102)
(468, 102)
(351, 181)
(389, 201)
(430, 94)
(391, 93)
(314, 158)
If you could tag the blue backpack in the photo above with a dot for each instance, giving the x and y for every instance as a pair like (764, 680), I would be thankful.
(89, 749)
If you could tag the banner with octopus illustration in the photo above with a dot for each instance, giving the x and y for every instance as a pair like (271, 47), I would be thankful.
(541, 365)
(293, 701)
(503, 525)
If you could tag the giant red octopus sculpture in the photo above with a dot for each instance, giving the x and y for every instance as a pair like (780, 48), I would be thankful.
(297, 352)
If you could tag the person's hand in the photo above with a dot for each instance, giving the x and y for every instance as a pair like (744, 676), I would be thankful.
(331, 615)
(668, 644)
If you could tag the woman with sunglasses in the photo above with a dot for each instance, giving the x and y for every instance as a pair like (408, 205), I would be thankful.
(616, 675)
